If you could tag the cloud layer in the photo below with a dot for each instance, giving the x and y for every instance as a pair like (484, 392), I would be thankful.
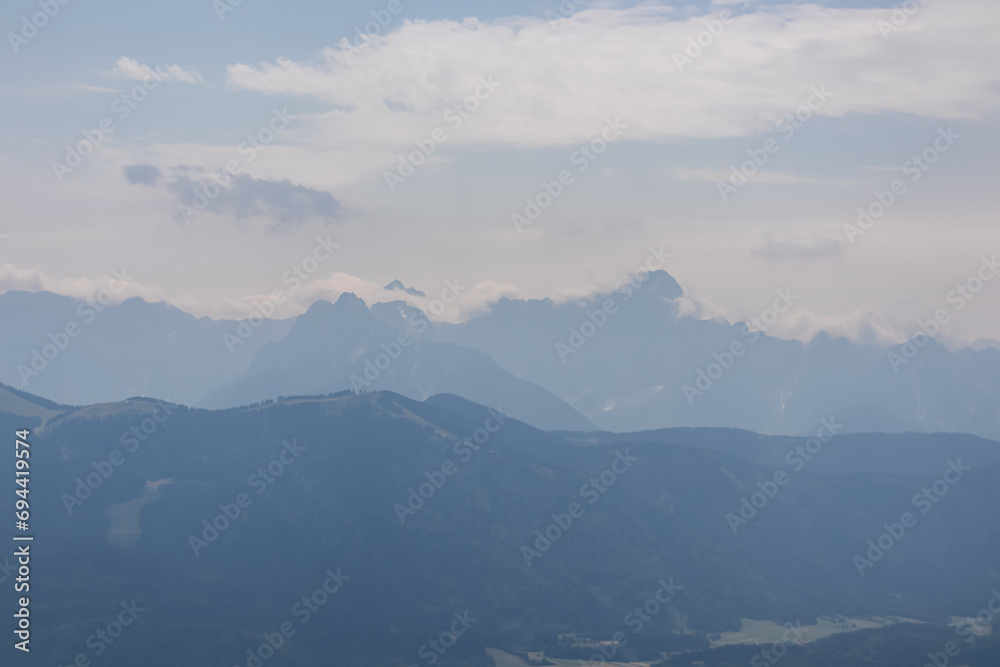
(563, 78)
(141, 174)
(285, 203)
(129, 68)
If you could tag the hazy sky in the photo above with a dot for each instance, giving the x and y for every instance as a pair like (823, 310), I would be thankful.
(669, 98)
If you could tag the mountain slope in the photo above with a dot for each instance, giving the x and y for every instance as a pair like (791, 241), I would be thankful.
(340, 346)
(306, 485)
(637, 364)
(131, 349)
(624, 361)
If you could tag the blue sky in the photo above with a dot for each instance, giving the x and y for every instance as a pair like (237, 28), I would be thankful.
(687, 125)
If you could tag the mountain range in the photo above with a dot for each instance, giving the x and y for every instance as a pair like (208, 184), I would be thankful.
(218, 524)
(623, 361)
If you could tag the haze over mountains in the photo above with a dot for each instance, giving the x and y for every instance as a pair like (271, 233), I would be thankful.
(531, 534)
(131, 349)
(500, 334)
(621, 361)
(345, 345)
(632, 373)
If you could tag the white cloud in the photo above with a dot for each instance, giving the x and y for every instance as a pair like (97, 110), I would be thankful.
(983, 344)
(474, 299)
(562, 80)
(558, 86)
(860, 325)
(866, 326)
(130, 68)
(35, 280)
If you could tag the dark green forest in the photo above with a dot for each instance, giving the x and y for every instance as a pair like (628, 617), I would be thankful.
(623, 514)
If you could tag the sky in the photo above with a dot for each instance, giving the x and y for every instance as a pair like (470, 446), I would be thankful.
(524, 149)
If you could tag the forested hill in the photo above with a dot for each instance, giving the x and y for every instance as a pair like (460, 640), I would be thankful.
(217, 523)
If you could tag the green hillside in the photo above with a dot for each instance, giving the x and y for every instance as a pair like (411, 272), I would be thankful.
(322, 484)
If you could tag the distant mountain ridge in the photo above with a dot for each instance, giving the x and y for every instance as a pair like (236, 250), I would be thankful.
(620, 361)
(644, 366)
(398, 285)
(78, 353)
(345, 345)
(75, 354)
